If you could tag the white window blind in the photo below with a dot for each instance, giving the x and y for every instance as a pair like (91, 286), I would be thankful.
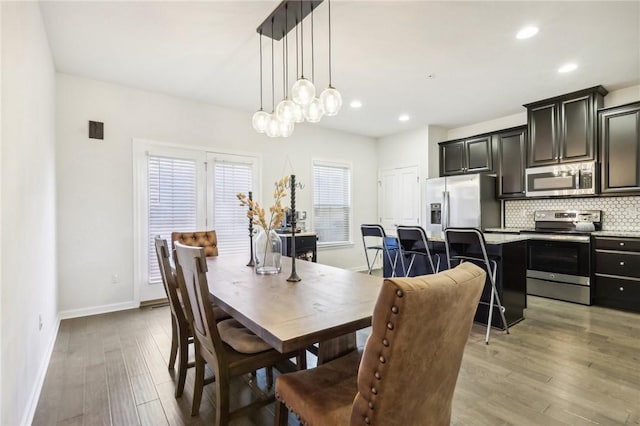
(231, 222)
(332, 203)
(172, 202)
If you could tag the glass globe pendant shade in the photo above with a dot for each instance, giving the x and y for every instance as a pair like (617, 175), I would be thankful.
(285, 111)
(331, 101)
(273, 128)
(286, 128)
(314, 111)
(260, 121)
(303, 92)
(298, 113)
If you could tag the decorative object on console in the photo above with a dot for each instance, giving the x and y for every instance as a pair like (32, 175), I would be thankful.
(304, 105)
(268, 246)
(252, 261)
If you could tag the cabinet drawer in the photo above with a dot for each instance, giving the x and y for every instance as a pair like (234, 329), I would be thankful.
(622, 244)
(617, 293)
(618, 263)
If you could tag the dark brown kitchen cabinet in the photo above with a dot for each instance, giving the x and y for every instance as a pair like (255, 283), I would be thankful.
(616, 275)
(511, 154)
(563, 129)
(619, 133)
(471, 155)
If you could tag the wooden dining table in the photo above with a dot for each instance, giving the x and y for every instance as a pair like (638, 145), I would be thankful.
(327, 306)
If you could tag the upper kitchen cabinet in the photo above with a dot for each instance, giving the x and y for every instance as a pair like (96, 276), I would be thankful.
(471, 155)
(619, 132)
(563, 129)
(511, 152)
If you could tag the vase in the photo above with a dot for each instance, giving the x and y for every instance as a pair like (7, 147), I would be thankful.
(268, 249)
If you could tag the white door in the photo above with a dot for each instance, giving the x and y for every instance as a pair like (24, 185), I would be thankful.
(398, 197)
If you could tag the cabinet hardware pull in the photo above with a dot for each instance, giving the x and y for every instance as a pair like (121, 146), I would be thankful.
(621, 288)
(621, 263)
(621, 244)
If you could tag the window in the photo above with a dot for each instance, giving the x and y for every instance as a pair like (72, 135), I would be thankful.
(332, 202)
(231, 174)
(172, 201)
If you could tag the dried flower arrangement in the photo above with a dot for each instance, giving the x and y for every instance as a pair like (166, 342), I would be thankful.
(277, 210)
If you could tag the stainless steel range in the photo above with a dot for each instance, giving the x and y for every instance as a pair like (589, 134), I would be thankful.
(559, 254)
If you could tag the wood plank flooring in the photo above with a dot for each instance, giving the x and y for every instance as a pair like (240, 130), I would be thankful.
(565, 364)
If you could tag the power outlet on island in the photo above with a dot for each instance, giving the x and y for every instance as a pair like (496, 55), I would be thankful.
(115, 278)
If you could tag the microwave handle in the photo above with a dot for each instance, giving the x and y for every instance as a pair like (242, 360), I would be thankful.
(445, 208)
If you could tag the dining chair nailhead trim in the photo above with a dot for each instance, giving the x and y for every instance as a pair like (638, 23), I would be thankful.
(378, 376)
(399, 293)
(371, 405)
(390, 325)
(366, 420)
(374, 391)
(385, 342)
(394, 309)
(382, 360)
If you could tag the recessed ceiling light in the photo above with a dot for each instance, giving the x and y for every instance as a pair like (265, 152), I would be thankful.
(527, 32)
(567, 67)
(355, 104)
(404, 117)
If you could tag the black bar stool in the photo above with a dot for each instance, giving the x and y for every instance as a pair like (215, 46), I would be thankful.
(473, 236)
(376, 231)
(414, 242)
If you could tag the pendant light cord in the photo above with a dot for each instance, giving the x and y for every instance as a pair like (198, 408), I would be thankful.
(273, 83)
(301, 39)
(286, 48)
(297, 48)
(313, 65)
(260, 69)
(329, 2)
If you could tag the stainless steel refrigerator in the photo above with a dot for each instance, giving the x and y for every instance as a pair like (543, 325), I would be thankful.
(465, 201)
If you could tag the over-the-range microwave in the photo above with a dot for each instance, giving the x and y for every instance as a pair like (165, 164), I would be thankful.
(561, 180)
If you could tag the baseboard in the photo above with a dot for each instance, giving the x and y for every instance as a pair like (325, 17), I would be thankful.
(27, 419)
(103, 309)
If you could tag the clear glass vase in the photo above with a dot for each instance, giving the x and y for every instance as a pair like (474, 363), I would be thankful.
(268, 250)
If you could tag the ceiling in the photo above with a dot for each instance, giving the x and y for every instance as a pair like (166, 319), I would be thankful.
(383, 53)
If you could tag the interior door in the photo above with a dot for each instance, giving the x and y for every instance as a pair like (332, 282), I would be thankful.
(398, 197)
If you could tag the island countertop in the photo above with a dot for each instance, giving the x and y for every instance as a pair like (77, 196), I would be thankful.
(490, 238)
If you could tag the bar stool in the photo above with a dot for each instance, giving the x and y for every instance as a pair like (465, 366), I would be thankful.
(376, 231)
(413, 242)
(473, 236)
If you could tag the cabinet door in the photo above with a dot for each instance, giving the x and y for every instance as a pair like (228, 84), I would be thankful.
(620, 140)
(478, 154)
(452, 158)
(543, 135)
(511, 163)
(576, 141)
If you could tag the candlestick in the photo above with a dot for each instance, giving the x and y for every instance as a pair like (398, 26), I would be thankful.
(294, 275)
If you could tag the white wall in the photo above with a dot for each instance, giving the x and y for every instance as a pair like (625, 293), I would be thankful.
(513, 120)
(95, 210)
(622, 96)
(28, 209)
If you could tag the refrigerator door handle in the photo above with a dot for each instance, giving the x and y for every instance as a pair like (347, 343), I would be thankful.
(445, 208)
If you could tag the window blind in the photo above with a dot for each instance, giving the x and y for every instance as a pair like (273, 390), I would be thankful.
(172, 202)
(231, 222)
(332, 203)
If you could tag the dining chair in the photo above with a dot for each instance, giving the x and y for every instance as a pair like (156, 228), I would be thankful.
(410, 364)
(458, 241)
(413, 242)
(181, 334)
(227, 347)
(376, 232)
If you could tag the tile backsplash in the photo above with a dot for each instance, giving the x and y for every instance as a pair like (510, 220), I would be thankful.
(618, 213)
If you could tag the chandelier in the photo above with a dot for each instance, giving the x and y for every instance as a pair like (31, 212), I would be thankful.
(299, 104)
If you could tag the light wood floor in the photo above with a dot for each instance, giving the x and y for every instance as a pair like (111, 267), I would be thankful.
(565, 364)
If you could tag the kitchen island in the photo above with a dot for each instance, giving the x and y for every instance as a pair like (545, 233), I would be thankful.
(510, 253)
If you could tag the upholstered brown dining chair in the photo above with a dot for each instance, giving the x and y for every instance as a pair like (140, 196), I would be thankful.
(409, 368)
(205, 239)
(227, 347)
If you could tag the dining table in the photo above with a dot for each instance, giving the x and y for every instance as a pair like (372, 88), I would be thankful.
(327, 306)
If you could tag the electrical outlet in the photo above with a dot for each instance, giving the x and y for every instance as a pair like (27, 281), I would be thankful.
(39, 321)
(115, 278)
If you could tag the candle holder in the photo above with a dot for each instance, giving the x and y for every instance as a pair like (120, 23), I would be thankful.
(293, 185)
(252, 261)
